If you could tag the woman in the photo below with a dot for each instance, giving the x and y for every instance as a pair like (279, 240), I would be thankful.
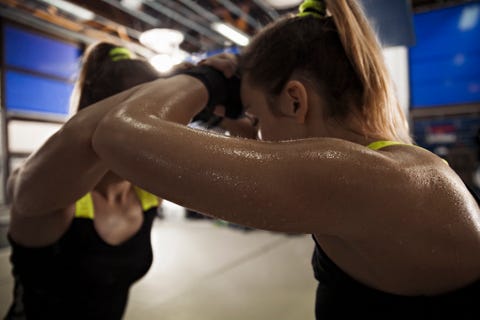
(397, 232)
(80, 234)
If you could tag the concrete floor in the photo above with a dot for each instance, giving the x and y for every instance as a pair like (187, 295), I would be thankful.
(205, 271)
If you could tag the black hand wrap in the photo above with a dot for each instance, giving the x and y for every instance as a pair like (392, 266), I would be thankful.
(221, 90)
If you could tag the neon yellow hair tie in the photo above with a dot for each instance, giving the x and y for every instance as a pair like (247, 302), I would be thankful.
(120, 53)
(316, 8)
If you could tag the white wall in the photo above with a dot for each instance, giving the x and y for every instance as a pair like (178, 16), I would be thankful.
(396, 59)
(28, 136)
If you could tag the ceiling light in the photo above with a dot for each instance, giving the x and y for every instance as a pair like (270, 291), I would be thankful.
(162, 40)
(283, 4)
(131, 4)
(231, 33)
(165, 62)
(71, 8)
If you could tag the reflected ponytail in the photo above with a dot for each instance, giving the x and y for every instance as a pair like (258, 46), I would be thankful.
(108, 69)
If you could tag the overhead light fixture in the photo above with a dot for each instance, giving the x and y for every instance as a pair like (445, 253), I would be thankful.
(166, 43)
(231, 33)
(131, 4)
(162, 40)
(165, 62)
(283, 4)
(72, 9)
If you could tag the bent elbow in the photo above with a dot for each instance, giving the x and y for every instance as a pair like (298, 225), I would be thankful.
(21, 204)
(17, 195)
(113, 133)
(105, 134)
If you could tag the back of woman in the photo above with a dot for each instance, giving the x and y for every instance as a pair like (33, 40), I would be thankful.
(392, 216)
(412, 250)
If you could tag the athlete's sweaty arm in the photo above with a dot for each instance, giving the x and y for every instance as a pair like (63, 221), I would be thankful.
(249, 182)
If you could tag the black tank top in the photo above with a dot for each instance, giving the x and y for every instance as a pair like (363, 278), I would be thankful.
(80, 276)
(339, 296)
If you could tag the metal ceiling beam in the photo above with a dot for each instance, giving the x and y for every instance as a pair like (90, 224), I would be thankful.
(135, 13)
(203, 12)
(272, 13)
(148, 19)
(183, 20)
(200, 10)
(239, 12)
(104, 19)
(36, 23)
(187, 13)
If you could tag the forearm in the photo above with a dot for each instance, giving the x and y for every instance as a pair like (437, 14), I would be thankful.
(132, 133)
(177, 99)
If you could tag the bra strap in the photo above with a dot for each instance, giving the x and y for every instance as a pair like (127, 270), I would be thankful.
(377, 145)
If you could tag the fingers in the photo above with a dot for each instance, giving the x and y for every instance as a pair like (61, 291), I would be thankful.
(225, 62)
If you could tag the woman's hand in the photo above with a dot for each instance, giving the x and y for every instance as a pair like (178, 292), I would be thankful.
(218, 75)
(227, 63)
(224, 62)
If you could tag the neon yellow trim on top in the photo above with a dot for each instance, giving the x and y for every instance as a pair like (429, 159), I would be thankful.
(84, 205)
(147, 199)
(377, 145)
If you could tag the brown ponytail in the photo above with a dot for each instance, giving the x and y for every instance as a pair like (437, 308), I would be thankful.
(341, 55)
(383, 112)
(103, 74)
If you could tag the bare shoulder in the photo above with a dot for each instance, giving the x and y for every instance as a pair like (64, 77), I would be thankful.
(424, 189)
(353, 187)
(427, 175)
(333, 186)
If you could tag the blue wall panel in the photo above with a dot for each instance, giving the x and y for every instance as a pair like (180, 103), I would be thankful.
(34, 52)
(445, 62)
(26, 93)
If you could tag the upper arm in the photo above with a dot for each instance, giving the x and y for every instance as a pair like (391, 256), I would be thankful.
(299, 186)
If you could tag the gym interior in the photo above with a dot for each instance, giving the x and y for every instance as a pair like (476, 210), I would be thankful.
(205, 268)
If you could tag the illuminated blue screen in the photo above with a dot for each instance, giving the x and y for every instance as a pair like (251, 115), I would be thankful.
(445, 62)
(39, 73)
(30, 51)
(27, 93)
